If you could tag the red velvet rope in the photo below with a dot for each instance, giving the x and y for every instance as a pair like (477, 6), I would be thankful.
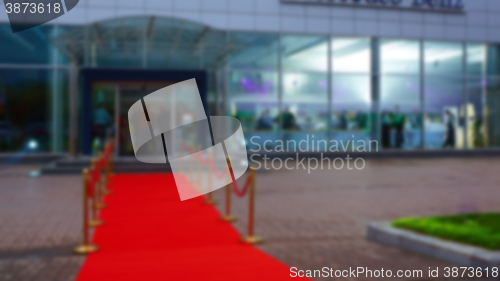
(203, 160)
(206, 161)
(245, 187)
(96, 173)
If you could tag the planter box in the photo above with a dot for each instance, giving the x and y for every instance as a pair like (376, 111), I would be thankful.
(460, 254)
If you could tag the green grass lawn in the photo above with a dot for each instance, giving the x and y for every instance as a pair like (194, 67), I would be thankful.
(475, 229)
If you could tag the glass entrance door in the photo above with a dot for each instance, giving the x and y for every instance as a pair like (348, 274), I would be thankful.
(127, 95)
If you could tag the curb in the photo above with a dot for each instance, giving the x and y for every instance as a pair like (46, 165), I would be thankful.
(460, 254)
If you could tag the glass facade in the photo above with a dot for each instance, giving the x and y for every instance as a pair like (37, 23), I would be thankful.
(407, 94)
(33, 91)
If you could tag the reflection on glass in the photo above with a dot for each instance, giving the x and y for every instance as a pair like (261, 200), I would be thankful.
(304, 111)
(253, 86)
(253, 82)
(32, 46)
(401, 116)
(444, 112)
(443, 58)
(60, 115)
(400, 56)
(24, 110)
(305, 53)
(103, 108)
(492, 114)
(493, 60)
(475, 121)
(352, 108)
(351, 55)
(476, 59)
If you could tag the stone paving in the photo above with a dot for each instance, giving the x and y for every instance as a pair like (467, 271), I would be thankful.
(39, 225)
(314, 220)
(307, 220)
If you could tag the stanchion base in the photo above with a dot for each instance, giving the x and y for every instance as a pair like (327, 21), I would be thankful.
(210, 202)
(252, 240)
(85, 249)
(101, 206)
(94, 223)
(229, 218)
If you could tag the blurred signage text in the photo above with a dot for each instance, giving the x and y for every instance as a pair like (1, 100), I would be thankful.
(441, 6)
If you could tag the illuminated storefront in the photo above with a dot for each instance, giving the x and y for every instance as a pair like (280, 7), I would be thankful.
(288, 71)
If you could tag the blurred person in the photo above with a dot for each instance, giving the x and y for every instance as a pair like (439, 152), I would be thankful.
(351, 121)
(343, 120)
(361, 120)
(398, 122)
(477, 133)
(449, 140)
(386, 129)
(288, 123)
(265, 122)
(102, 121)
(413, 125)
(287, 119)
(335, 119)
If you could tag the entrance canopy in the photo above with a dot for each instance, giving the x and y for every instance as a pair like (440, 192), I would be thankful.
(147, 42)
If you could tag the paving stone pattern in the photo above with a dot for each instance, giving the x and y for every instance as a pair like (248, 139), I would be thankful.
(307, 220)
(314, 220)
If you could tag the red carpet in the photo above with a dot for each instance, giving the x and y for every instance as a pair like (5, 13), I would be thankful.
(150, 235)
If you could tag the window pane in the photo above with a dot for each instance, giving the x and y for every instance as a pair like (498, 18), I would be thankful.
(351, 55)
(493, 112)
(401, 116)
(443, 57)
(24, 109)
(476, 109)
(476, 59)
(253, 86)
(32, 46)
(443, 119)
(260, 51)
(400, 56)
(305, 53)
(305, 89)
(61, 116)
(493, 62)
(352, 108)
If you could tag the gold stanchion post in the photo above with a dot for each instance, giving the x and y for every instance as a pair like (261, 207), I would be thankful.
(86, 247)
(228, 217)
(106, 180)
(108, 168)
(251, 239)
(98, 189)
(103, 180)
(95, 200)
